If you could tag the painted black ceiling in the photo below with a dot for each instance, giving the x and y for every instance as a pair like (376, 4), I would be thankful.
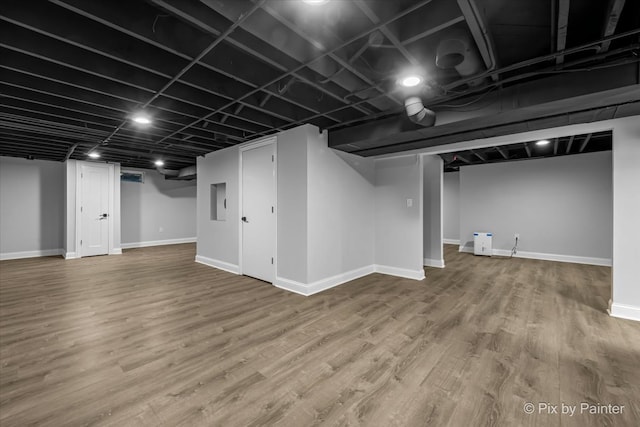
(215, 73)
(561, 146)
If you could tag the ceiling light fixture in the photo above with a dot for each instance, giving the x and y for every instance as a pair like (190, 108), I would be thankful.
(315, 2)
(158, 163)
(411, 81)
(141, 119)
(542, 142)
(94, 155)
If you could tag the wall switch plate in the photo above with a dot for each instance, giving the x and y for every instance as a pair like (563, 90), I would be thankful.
(409, 203)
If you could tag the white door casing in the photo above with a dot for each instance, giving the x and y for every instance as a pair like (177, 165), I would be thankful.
(94, 209)
(258, 212)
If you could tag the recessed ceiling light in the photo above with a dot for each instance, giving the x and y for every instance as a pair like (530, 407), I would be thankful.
(315, 2)
(94, 155)
(411, 81)
(543, 142)
(158, 163)
(141, 119)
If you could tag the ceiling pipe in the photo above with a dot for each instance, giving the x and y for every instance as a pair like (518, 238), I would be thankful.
(456, 51)
(418, 113)
(187, 173)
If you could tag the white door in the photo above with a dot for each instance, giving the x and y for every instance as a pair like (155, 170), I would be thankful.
(258, 212)
(94, 210)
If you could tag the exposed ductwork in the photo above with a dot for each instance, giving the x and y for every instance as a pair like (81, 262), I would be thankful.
(418, 113)
(186, 174)
(456, 50)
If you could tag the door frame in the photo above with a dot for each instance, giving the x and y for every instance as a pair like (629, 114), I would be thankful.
(249, 146)
(111, 184)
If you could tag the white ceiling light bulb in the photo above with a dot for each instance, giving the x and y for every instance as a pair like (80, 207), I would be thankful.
(141, 119)
(94, 155)
(543, 142)
(411, 81)
(158, 163)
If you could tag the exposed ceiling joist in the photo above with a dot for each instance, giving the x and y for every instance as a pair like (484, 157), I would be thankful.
(479, 155)
(562, 28)
(387, 32)
(502, 152)
(458, 156)
(614, 10)
(584, 143)
(569, 144)
(480, 33)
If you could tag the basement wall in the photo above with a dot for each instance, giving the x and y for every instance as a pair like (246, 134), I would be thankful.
(31, 207)
(398, 226)
(340, 216)
(561, 207)
(451, 207)
(433, 211)
(158, 211)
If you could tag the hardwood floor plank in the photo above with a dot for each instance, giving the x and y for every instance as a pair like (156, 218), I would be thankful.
(151, 338)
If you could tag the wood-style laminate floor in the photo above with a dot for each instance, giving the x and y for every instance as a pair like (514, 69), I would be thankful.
(152, 338)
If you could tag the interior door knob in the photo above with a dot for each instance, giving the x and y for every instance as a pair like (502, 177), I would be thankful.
(244, 219)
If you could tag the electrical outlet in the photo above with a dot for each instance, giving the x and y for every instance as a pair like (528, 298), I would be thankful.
(517, 235)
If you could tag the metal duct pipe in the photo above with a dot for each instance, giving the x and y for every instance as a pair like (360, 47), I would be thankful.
(187, 173)
(457, 51)
(418, 113)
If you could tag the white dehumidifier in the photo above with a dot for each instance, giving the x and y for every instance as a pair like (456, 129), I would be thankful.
(482, 243)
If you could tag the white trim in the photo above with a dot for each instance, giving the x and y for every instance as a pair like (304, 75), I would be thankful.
(400, 272)
(623, 311)
(451, 241)
(437, 263)
(30, 254)
(245, 147)
(292, 286)
(323, 284)
(115, 251)
(69, 255)
(159, 243)
(220, 265)
(605, 262)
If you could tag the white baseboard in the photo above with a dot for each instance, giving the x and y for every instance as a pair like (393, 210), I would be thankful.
(116, 251)
(623, 311)
(30, 254)
(220, 265)
(437, 263)
(324, 284)
(400, 272)
(158, 243)
(606, 262)
(70, 255)
(451, 241)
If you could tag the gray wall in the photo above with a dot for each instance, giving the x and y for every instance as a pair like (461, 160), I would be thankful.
(398, 235)
(155, 205)
(292, 205)
(626, 186)
(432, 199)
(340, 210)
(218, 240)
(560, 206)
(31, 206)
(451, 206)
